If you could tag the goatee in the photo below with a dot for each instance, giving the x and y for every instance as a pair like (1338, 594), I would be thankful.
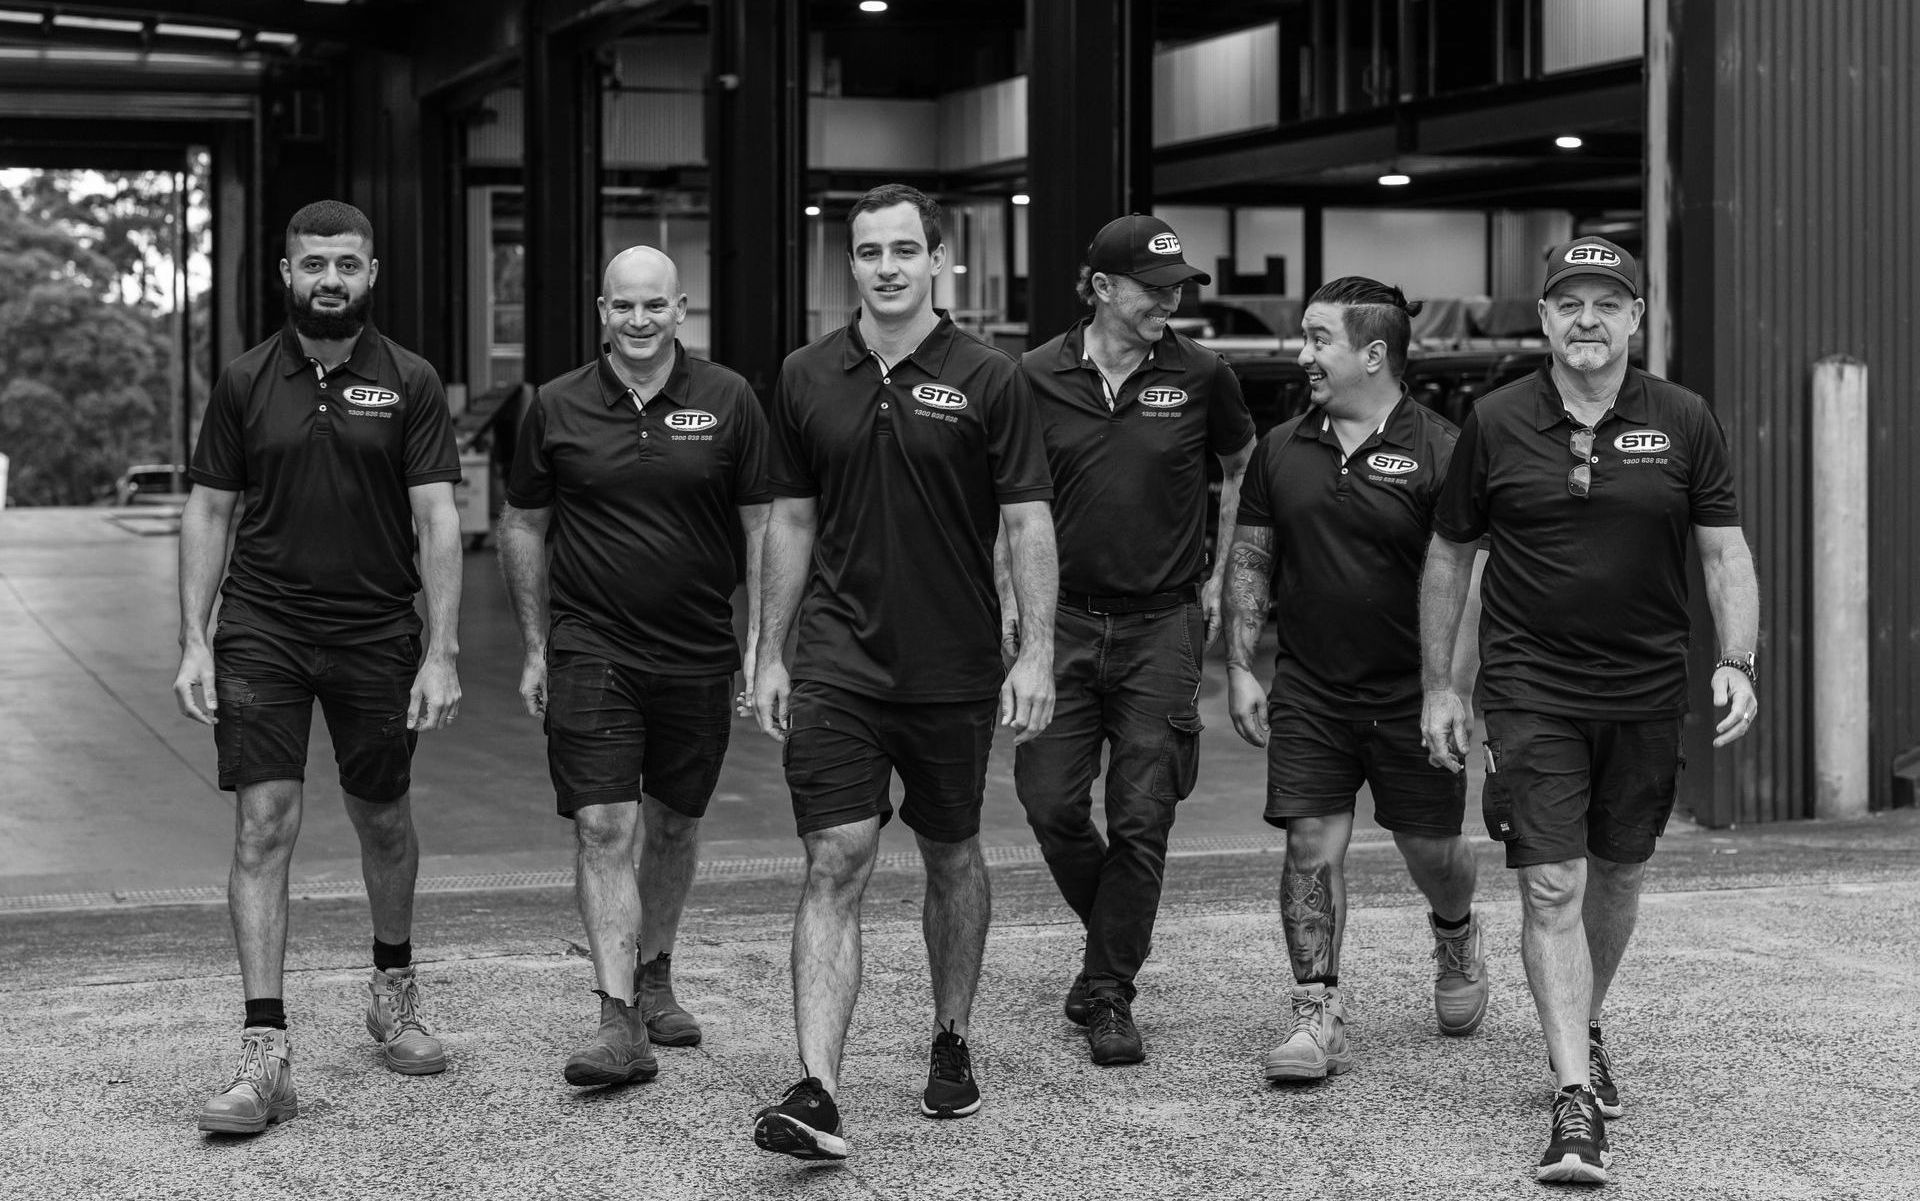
(327, 327)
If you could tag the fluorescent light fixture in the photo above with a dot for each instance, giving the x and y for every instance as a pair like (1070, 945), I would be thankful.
(273, 37)
(1022, 198)
(329, 1)
(873, 6)
(166, 30)
(959, 268)
(20, 18)
(1395, 179)
(813, 210)
(1569, 141)
(105, 24)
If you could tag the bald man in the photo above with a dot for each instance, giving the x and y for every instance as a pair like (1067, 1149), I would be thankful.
(640, 472)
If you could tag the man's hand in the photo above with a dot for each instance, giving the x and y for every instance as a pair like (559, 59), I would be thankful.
(196, 669)
(743, 700)
(1247, 705)
(1445, 729)
(435, 699)
(772, 688)
(1732, 689)
(533, 683)
(1210, 607)
(1009, 636)
(1026, 699)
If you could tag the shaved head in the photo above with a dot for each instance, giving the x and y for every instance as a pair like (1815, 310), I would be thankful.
(640, 266)
(641, 308)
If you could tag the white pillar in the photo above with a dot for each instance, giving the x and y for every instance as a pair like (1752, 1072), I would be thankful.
(1840, 630)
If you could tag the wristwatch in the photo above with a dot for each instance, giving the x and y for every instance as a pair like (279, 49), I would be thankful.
(1742, 664)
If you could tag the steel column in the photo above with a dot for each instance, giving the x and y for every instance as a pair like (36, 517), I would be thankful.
(561, 80)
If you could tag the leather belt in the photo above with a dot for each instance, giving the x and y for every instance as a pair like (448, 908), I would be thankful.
(1106, 606)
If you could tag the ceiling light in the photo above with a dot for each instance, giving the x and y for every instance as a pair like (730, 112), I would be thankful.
(20, 18)
(1395, 179)
(165, 29)
(813, 210)
(274, 37)
(959, 268)
(103, 24)
(1022, 198)
(1568, 141)
(873, 6)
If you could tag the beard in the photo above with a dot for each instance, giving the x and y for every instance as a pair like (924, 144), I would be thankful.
(1587, 356)
(327, 327)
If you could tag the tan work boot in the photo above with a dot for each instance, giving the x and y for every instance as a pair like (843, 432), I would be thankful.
(619, 1052)
(261, 1091)
(1459, 979)
(667, 1023)
(1316, 1047)
(393, 1019)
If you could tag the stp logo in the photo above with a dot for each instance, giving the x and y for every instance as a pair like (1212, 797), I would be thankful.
(1163, 398)
(1389, 464)
(1164, 244)
(939, 396)
(1593, 256)
(691, 421)
(1642, 442)
(371, 398)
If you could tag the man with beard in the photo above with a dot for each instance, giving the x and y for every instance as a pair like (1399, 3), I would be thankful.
(1588, 480)
(341, 443)
(639, 472)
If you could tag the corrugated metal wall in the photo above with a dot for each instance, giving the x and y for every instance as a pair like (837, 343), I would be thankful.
(1806, 247)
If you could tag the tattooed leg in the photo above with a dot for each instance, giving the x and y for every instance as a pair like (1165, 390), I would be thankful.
(1313, 895)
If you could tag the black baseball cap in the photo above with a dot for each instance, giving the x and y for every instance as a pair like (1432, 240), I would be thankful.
(1591, 256)
(1145, 248)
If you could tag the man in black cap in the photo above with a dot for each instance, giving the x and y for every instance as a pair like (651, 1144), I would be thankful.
(1587, 480)
(342, 445)
(1131, 411)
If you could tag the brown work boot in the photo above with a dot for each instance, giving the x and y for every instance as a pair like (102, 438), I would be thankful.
(619, 1052)
(261, 1091)
(393, 1019)
(667, 1023)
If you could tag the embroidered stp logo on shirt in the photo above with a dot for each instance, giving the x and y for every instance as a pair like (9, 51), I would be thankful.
(1388, 464)
(1163, 398)
(371, 398)
(939, 396)
(1642, 442)
(691, 421)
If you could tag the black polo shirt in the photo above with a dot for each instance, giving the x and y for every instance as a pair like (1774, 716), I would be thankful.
(910, 467)
(1584, 602)
(1130, 480)
(646, 511)
(325, 549)
(1350, 537)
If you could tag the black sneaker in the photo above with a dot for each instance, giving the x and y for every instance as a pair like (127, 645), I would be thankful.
(805, 1124)
(1578, 1152)
(1600, 1072)
(1076, 1007)
(1111, 1034)
(951, 1092)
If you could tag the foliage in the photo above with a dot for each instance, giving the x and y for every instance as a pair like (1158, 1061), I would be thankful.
(87, 370)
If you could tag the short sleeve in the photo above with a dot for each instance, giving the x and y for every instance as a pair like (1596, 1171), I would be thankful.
(431, 457)
(750, 452)
(1444, 442)
(219, 455)
(789, 472)
(1256, 492)
(1710, 495)
(1460, 512)
(530, 479)
(1229, 424)
(1016, 446)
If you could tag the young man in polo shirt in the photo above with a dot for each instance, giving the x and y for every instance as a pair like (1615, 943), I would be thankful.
(1334, 523)
(342, 445)
(1587, 480)
(899, 446)
(645, 467)
(1132, 410)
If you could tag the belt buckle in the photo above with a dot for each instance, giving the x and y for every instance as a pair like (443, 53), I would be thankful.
(1093, 607)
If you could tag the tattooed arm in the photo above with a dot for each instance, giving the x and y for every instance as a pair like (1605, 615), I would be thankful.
(1249, 585)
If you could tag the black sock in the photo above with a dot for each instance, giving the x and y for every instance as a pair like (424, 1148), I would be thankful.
(392, 954)
(267, 1011)
(1593, 1032)
(1446, 927)
(1330, 981)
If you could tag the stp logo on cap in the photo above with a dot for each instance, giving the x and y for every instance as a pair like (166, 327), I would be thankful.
(939, 396)
(1164, 244)
(691, 421)
(1393, 464)
(1163, 398)
(370, 398)
(1642, 442)
(1593, 256)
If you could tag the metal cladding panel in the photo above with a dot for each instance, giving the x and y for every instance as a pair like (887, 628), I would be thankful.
(1813, 254)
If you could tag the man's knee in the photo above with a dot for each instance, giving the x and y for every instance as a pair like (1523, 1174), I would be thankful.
(601, 831)
(951, 861)
(1552, 889)
(1614, 877)
(668, 828)
(1317, 841)
(840, 857)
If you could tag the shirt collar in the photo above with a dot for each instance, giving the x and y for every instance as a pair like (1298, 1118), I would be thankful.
(1397, 428)
(613, 389)
(1550, 410)
(363, 362)
(930, 356)
(1166, 354)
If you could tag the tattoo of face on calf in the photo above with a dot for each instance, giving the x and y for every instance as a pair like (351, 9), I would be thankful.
(1306, 910)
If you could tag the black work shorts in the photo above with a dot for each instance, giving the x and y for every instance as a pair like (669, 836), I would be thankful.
(267, 685)
(615, 732)
(842, 749)
(1562, 788)
(1316, 763)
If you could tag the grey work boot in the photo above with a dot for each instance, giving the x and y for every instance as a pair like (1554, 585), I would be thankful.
(261, 1091)
(619, 1052)
(393, 1019)
(667, 1023)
